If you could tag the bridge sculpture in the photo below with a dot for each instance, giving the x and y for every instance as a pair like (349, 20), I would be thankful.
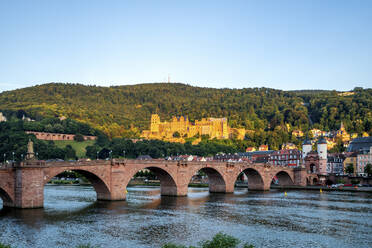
(22, 184)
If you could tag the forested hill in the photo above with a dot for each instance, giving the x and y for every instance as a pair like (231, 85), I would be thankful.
(115, 109)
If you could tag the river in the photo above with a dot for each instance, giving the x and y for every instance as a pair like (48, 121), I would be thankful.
(71, 216)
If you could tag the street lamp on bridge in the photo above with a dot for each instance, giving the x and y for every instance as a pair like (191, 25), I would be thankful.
(97, 155)
(110, 154)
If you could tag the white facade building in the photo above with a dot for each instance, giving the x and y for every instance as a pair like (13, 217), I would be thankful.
(2, 117)
(362, 160)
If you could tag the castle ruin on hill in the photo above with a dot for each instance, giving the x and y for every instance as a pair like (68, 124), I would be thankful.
(180, 128)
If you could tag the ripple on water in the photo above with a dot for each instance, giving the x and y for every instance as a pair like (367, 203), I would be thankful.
(302, 219)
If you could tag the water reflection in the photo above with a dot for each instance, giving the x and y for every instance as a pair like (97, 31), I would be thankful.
(267, 219)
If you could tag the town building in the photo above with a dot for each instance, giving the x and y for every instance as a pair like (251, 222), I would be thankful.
(363, 158)
(361, 144)
(263, 148)
(342, 134)
(331, 143)
(317, 133)
(2, 117)
(250, 149)
(297, 133)
(350, 159)
(289, 146)
(335, 163)
(291, 157)
(256, 156)
(25, 118)
(227, 157)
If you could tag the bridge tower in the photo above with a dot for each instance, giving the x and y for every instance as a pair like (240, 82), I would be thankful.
(322, 153)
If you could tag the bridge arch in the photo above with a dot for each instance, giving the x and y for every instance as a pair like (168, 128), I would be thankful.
(255, 180)
(168, 185)
(284, 178)
(100, 186)
(6, 198)
(216, 181)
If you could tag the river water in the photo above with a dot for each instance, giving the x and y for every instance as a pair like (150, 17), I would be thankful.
(71, 217)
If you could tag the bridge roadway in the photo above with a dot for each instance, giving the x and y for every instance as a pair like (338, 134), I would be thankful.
(22, 185)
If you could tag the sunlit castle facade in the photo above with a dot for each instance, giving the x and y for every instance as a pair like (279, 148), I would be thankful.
(180, 128)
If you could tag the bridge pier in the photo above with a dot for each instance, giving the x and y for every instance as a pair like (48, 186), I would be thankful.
(169, 190)
(300, 175)
(220, 188)
(29, 188)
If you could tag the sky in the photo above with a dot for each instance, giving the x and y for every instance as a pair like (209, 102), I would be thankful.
(289, 45)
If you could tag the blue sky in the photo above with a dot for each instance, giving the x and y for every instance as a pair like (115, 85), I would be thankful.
(278, 44)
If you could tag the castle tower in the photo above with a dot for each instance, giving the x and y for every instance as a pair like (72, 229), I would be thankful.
(322, 153)
(155, 122)
(225, 130)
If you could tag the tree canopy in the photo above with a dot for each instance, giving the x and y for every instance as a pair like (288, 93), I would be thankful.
(124, 111)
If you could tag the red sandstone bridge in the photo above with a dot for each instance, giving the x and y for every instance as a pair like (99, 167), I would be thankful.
(22, 185)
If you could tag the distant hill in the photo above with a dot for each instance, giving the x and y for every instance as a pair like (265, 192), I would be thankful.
(116, 109)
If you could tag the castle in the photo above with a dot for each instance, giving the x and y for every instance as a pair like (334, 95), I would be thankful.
(180, 128)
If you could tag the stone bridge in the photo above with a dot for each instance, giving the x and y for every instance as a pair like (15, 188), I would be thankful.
(22, 185)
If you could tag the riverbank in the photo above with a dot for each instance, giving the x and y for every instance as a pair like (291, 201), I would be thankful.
(324, 188)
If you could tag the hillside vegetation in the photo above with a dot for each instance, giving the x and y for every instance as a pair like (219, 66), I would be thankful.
(79, 147)
(123, 111)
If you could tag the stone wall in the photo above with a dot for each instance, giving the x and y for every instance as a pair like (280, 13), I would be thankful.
(58, 136)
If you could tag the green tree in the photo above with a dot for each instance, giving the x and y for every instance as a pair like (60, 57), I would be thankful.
(221, 240)
(70, 153)
(368, 169)
(4, 246)
(79, 138)
(349, 169)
